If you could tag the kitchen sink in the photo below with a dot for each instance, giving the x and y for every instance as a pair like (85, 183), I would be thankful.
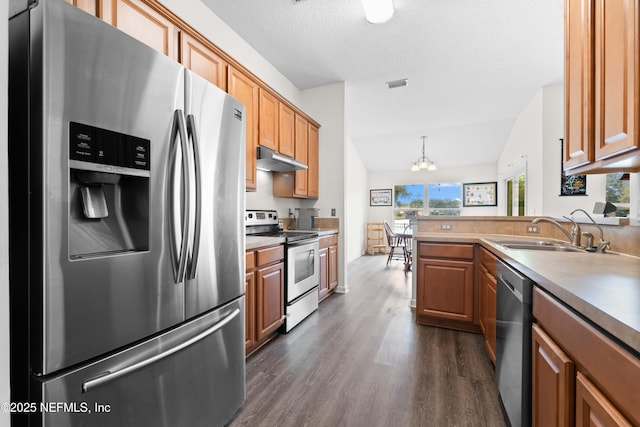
(537, 245)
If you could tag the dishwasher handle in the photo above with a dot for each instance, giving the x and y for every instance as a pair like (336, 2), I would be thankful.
(520, 286)
(510, 287)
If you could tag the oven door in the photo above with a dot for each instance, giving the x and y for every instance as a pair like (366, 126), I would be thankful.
(303, 266)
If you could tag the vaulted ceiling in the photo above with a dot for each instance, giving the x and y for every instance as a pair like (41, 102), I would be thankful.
(472, 66)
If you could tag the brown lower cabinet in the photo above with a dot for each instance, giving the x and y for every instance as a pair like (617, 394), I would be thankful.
(264, 295)
(579, 375)
(328, 265)
(487, 285)
(445, 286)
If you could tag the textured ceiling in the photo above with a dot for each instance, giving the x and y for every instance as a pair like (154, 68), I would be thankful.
(472, 66)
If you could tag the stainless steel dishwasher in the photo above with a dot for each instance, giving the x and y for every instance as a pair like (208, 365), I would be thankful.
(513, 343)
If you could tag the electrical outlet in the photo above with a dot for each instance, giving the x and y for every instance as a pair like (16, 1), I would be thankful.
(533, 229)
(445, 226)
(333, 211)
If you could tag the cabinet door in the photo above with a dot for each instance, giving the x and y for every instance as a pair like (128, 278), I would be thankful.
(250, 316)
(269, 299)
(88, 6)
(578, 84)
(616, 76)
(593, 408)
(203, 61)
(445, 289)
(333, 266)
(313, 179)
(482, 296)
(490, 316)
(301, 188)
(287, 131)
(323, 289)
(245, 90)
(268, 118)
(552, 375)
(142, 22)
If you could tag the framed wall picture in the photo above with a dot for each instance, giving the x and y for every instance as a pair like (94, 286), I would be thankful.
(572, 185)
(380, 197)
(480, 194)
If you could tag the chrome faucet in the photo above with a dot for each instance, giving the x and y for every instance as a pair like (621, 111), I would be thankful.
(603, 245)
(574, 236)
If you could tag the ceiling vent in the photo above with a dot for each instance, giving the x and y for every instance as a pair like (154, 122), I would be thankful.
(397, 83)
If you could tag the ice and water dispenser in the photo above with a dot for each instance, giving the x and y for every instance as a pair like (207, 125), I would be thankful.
(108, 192)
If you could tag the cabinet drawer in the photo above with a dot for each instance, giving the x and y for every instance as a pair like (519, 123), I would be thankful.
(449, 250)
(250, 260)
(327, 241)
(488, 260)
(269, 255)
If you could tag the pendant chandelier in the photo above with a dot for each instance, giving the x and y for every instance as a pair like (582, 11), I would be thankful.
(423, 162)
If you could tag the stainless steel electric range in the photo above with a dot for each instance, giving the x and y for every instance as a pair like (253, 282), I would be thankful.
(301, 264)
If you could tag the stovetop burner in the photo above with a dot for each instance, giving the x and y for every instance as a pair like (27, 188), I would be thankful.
(265, 223)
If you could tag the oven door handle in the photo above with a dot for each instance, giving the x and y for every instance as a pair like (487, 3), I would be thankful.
(303, 242)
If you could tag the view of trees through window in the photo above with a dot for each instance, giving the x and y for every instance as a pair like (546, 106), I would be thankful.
(618, 192)
(408, 202)
(445, 198)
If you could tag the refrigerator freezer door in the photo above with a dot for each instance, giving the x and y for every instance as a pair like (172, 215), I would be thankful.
(160, 382)
(216, 128)
(94, 75)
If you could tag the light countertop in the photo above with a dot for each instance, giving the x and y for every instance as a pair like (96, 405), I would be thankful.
(604, 288)
(255, 242)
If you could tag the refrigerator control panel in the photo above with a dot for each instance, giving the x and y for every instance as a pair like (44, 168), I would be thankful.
(95, 145)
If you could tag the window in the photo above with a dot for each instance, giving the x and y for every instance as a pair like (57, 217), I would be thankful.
(408, 203)
(618, 193)
(445, 198)
(516, 195)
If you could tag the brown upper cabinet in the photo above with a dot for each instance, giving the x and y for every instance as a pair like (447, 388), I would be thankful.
(313, 184)
(89, 6)
(268, 126)
(286, 130)
(301, 189)
(302, 183)
(602, 77)
(270, 119)
(246, 90)
(143, 23)
(203, 61)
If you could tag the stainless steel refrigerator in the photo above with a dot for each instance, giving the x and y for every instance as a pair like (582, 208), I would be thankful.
(126, 230)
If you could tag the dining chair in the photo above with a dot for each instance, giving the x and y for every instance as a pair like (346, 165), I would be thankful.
(393, 241)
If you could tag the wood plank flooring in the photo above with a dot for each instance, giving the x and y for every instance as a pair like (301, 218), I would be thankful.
(361, 360)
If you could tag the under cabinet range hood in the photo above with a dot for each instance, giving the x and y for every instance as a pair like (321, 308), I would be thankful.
(269, 160)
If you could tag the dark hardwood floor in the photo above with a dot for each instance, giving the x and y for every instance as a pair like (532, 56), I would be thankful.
(361, 360)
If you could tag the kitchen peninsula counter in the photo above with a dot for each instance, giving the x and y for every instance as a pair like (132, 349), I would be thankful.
(603, 287)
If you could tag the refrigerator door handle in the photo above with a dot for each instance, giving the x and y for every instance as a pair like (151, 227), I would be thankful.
(104, 378)
(192, 132)
(179, 207)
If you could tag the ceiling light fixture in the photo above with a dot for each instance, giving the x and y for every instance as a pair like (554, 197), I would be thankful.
(377, 11)
(423, 162)
(397, 83)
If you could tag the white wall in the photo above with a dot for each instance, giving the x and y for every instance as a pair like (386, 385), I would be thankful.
(468, 174)
(523, 152)
(326, 104)
(356, 203)
(4, 220)
(263, 198)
